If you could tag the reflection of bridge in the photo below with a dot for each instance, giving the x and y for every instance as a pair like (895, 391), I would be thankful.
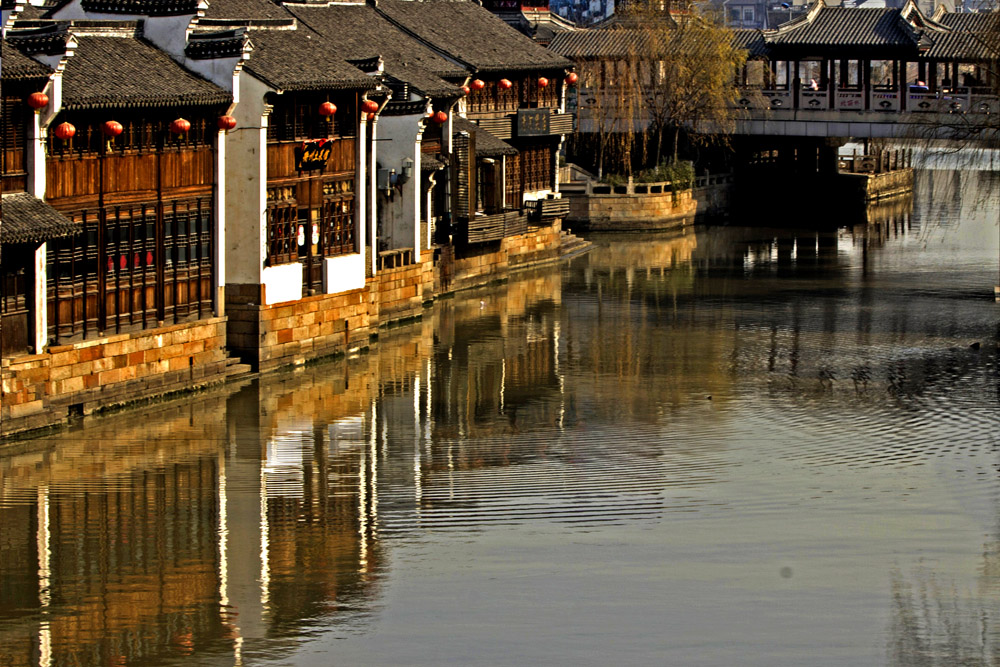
(850, 72)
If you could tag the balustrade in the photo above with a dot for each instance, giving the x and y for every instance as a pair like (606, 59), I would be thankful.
(878, 99)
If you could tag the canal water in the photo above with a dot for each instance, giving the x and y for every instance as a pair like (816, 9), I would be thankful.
(735, 446)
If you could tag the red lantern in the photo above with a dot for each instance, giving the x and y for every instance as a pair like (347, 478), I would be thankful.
(112, 128)
(226, 122)
(180, 126)
(478, 84)
(504, 84)
(370, 106)
(542, 82)
(440, 118)
(466, 90)
(327, 109)
(37, 100)
(65, 131)
(371, 116)
(572, 78)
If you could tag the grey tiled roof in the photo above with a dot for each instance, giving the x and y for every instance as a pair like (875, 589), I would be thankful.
(752, 41)
(128, 72)
(27, 219)
(973, 37)
(301, 60)
(244, 9)
(16, 65)
(487, 145)
(611, 42)
(471, 34)
(840, 27)
(358, 31)
(143, 7)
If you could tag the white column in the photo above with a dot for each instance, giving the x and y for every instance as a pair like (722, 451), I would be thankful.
(361, 192)
(372, 185)
(41, 311)
(220, 224)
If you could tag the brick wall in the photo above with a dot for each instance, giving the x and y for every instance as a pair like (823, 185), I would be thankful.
(482, 264)
(279, 334)
(402, 291)
(43, 389)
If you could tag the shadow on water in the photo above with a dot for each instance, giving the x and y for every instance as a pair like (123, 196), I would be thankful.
(689, 401)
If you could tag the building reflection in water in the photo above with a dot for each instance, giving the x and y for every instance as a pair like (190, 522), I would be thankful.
(233, 524)
(228, 525)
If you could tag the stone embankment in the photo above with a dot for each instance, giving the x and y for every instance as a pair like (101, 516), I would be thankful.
(597, 206)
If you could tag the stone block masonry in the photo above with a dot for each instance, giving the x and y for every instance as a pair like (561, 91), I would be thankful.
(75, 379)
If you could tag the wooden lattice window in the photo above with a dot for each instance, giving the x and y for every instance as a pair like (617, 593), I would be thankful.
(133, 266)
(282, 222)
(139, 135)
(536, 165)
(336, 224)
(296, 117)
(513, 190)
(14, 133)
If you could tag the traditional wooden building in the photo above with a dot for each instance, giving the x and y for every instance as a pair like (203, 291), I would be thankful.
(517, 94)
(413, 123)
(126, 147)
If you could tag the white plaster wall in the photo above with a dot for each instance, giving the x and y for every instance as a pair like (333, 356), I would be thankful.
(343, 273)
(245, 186)
(399, 214)
(282, 283)
(361, 191)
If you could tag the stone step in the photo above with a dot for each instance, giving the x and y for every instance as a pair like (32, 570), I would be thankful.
(235, 368)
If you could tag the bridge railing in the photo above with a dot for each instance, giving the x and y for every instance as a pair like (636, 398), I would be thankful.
(880, 99)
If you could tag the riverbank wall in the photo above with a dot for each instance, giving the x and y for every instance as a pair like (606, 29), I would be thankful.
(67, 381)
(595, 206)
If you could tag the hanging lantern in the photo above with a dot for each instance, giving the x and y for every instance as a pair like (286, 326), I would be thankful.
(542, 82)
(226, 122)
(466, 90)
(478, 84)
(112, 128)
(37, 100)
(180, 126)
(371, 116)
(504, 84)
(327, 109)
(65, 131)
(572, 78)
(370, 106)
(440, 117)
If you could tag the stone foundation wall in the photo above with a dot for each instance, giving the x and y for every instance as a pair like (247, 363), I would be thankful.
(485, 263)
(280, 334)
(45, 389)
(400, 292)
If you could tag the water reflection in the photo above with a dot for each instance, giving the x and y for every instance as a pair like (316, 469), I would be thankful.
(640, 434)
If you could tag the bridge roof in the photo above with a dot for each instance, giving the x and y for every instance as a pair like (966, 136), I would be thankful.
(973, 37)
(862, 29)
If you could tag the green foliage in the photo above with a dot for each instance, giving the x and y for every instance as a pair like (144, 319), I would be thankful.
(614, 180)
(680, 174)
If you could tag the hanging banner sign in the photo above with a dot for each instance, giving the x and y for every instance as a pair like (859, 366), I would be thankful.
(313, 154)
(533, 122)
